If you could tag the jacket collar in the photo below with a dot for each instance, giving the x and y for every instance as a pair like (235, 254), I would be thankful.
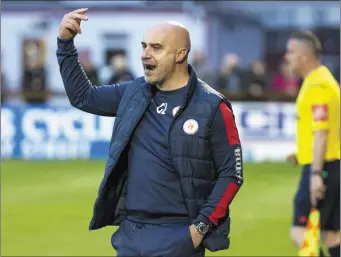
(192, 84)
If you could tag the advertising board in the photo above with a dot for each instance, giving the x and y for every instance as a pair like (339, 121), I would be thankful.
(46, 132)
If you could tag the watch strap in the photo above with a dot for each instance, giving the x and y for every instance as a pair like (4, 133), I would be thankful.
(322, 173)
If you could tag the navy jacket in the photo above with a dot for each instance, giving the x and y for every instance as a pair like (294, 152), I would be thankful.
(200, 180)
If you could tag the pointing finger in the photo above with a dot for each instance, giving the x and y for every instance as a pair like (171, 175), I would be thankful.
(78, 16)
(80, 11)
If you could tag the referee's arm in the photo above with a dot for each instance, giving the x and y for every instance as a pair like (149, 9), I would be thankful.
(320, 126)
(227, 156)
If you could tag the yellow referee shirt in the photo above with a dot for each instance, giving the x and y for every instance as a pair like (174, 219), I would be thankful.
(318, 108)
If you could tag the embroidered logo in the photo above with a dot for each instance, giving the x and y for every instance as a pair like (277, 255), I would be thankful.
(162, 109)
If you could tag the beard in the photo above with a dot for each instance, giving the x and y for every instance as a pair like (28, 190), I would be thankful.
(150, 79)
(154, 78)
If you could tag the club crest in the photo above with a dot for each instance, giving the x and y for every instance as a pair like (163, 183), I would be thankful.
(191, 127)
(175, 110)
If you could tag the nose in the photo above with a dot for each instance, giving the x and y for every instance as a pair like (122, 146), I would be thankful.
(145, 54)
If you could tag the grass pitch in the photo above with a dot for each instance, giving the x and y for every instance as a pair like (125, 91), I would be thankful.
(46, 209)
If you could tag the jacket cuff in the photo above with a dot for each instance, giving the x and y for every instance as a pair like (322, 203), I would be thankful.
(66, 45)
(202, 218)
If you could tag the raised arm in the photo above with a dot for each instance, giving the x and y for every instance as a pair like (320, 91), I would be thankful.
(101, 100)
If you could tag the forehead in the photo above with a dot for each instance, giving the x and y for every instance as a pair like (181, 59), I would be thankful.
(294, 44)
(155, 35)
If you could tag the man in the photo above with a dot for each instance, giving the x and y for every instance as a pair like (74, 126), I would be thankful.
(121, 72)
(34, 88)
(256, 78)
(231, 78)
(89, 68)
(318, 141)
(175, 160)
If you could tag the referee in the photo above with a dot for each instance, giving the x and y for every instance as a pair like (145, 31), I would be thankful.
(318, 141)
(175, 159)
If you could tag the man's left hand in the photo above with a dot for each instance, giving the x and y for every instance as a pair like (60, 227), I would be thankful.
(196, 236)
(317, 189)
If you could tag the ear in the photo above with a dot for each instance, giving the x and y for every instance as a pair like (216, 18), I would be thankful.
(181, 55)
(304, 58)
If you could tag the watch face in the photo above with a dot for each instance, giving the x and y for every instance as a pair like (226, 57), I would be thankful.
(202, 228)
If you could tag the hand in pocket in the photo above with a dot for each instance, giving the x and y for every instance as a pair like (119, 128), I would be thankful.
(195, 236)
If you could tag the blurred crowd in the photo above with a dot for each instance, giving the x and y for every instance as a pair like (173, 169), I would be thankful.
(34, 88)
(254, 83)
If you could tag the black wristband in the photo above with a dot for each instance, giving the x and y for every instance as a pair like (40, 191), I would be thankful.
(316, 172)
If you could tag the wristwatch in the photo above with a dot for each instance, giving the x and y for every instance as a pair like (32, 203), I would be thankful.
(316, 172)
(202, 228)
(322, 173)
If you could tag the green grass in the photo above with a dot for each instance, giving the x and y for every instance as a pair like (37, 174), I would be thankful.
(46, 208)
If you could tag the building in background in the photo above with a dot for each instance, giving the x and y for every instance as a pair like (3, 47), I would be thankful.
(111, 30)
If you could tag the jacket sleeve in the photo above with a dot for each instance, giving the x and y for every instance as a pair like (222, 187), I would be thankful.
(101, 100)
(227, 157)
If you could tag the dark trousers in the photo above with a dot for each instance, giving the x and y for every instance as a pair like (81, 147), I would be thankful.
(170, 239)
(329, 206)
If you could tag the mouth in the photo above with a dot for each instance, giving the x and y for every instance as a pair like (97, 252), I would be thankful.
(149, 67)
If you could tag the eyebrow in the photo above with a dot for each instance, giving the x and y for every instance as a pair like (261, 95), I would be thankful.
(152, 44)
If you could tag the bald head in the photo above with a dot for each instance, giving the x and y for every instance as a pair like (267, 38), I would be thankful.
(180, 32)
(173, 35)
(165, 52)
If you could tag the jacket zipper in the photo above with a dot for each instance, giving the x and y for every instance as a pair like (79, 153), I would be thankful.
(170, 151)
(102, 192)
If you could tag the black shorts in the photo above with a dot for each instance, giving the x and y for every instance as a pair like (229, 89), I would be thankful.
(329, 207)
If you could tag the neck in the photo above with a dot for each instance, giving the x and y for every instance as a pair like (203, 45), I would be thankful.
(178, 79)
(309, 67)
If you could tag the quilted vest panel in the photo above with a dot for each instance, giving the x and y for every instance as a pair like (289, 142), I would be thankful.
(191, 151)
